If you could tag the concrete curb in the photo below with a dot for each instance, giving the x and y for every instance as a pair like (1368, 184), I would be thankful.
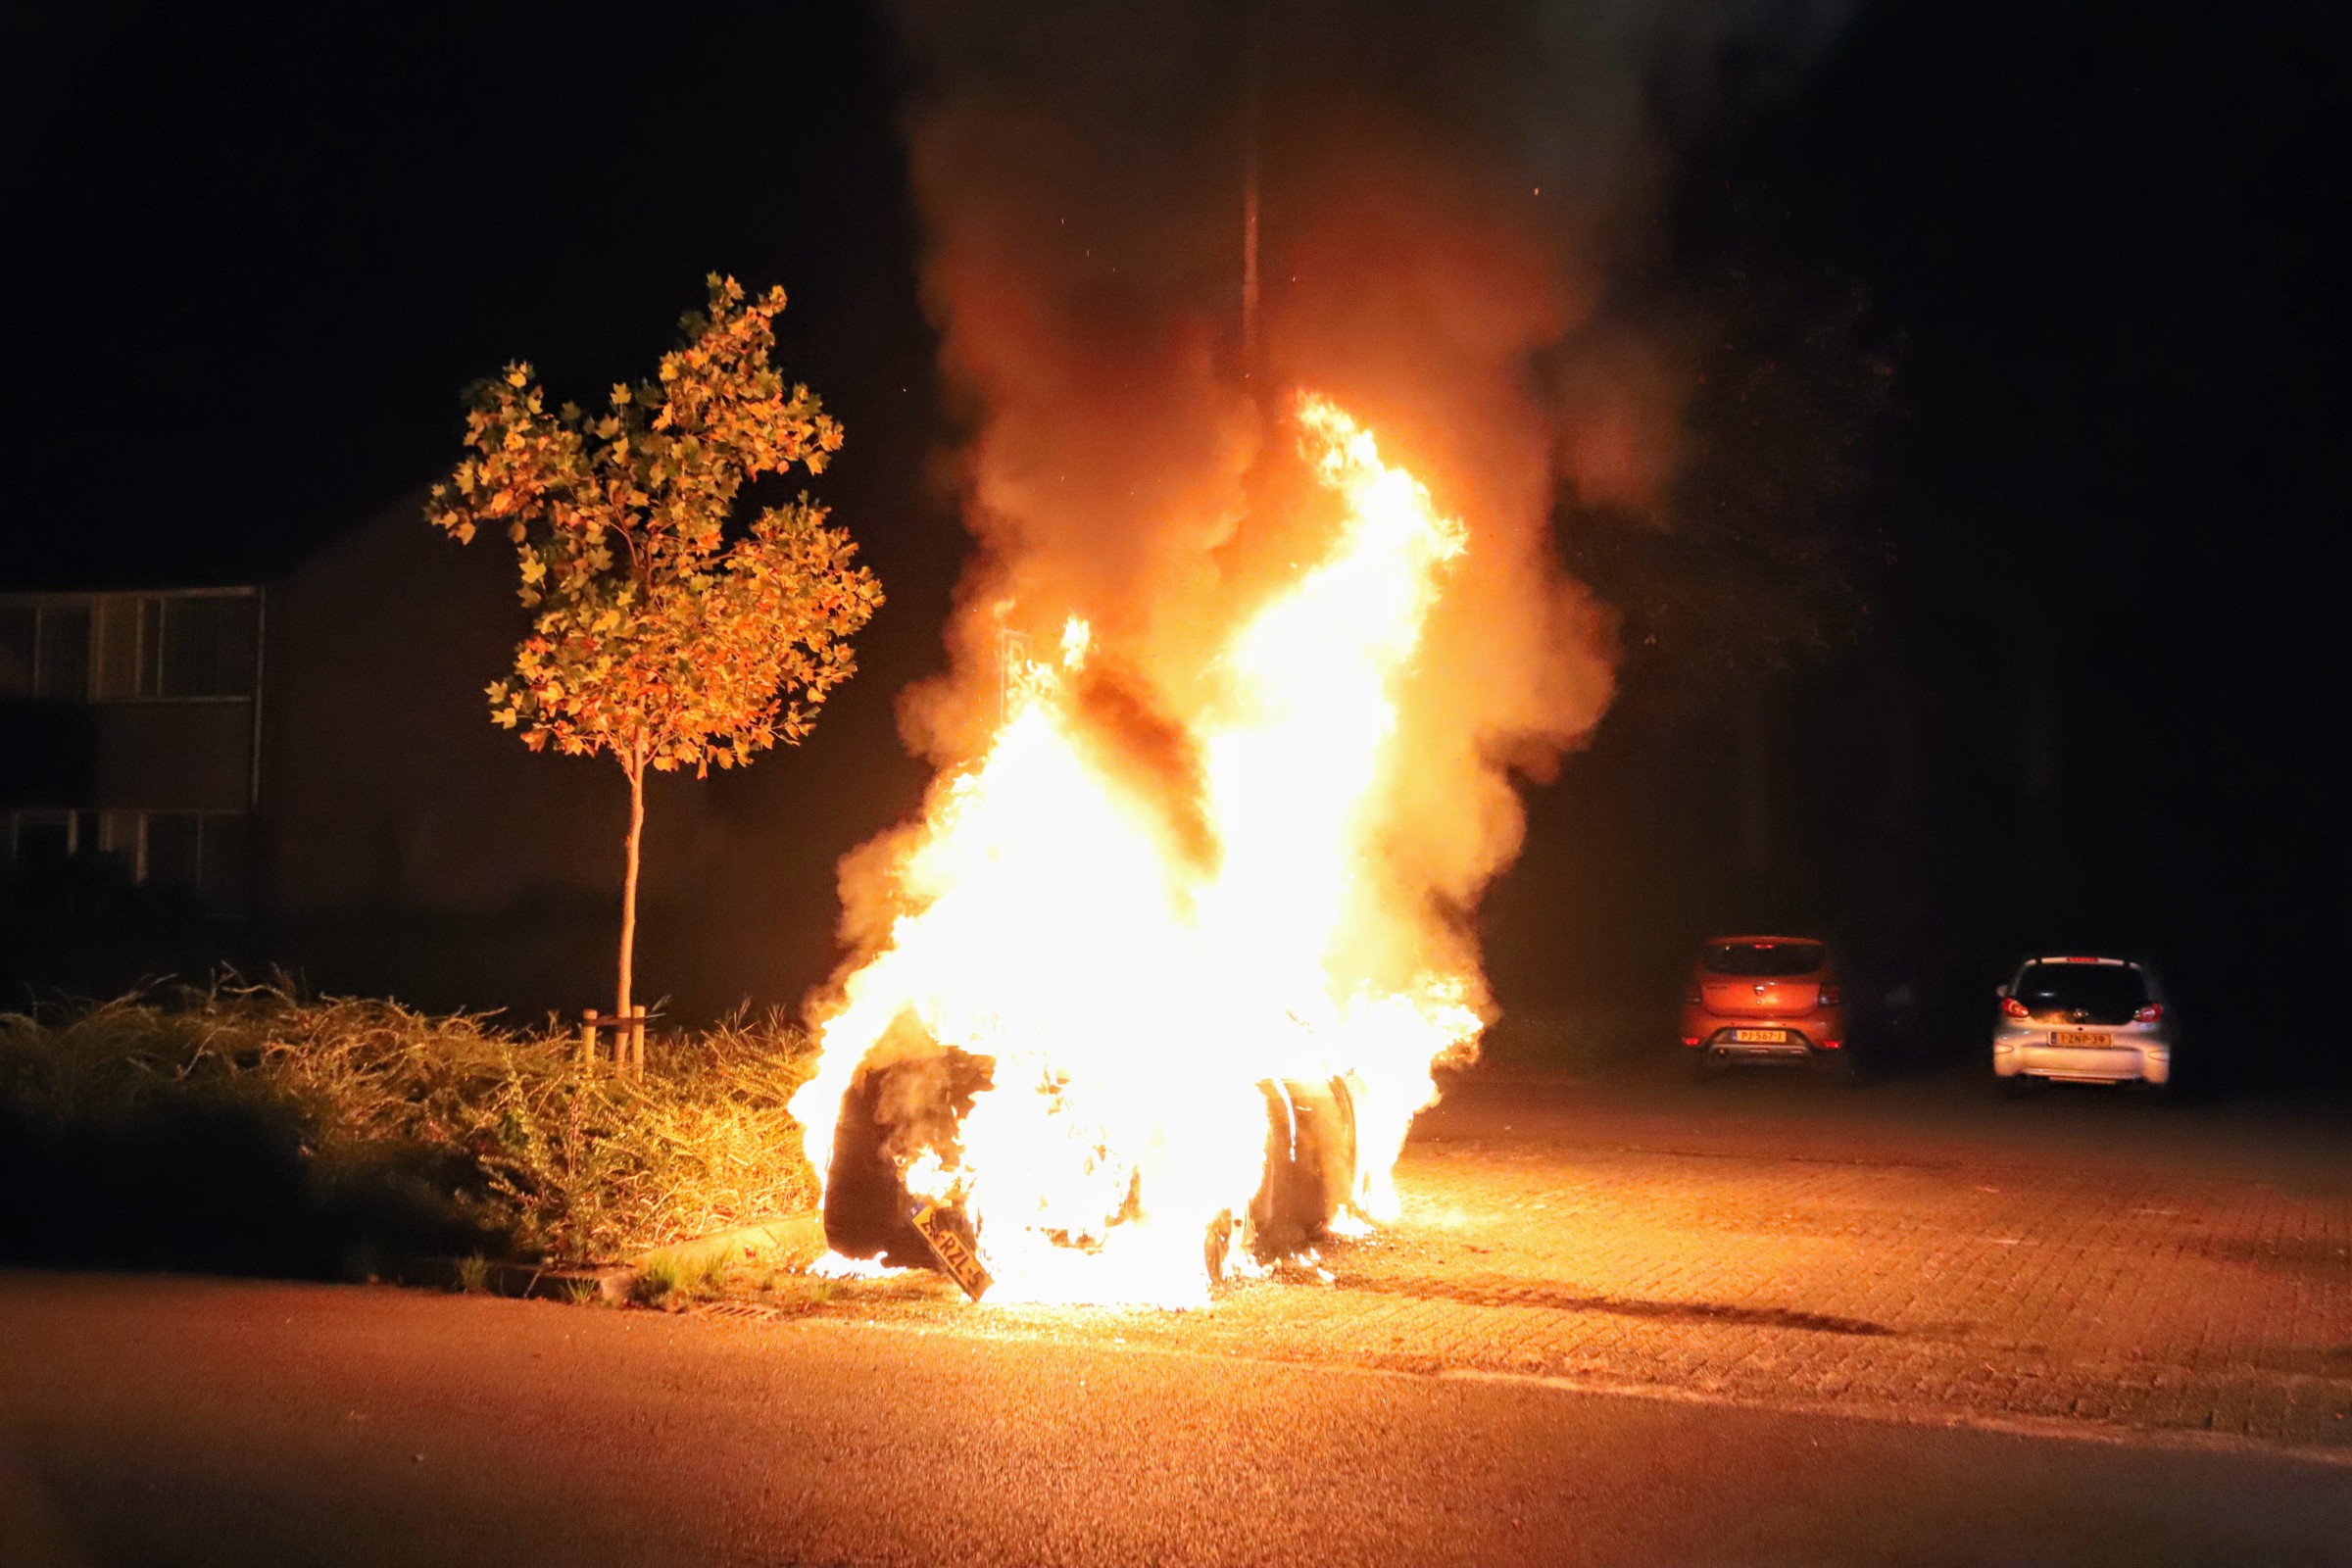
(788, 1240)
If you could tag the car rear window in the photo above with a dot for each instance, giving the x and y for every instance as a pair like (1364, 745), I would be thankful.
(1761, 960)
(2103, 990)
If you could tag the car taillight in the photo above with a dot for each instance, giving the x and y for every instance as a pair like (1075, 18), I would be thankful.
(1828, 996)
(2149, 1013)
(2014, 1007)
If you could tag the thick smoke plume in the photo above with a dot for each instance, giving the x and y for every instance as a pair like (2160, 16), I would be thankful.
(1444, 191)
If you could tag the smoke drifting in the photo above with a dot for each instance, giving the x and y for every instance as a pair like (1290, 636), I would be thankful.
(1444, 194)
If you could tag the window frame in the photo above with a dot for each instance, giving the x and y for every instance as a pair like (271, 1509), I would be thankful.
(148, 612)
(125, 831)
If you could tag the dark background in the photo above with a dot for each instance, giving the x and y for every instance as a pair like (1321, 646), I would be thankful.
(2027, 321)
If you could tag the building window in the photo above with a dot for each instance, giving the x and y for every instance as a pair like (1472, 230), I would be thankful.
(43, 843)
(204, 857)
(45, 651)
(207, 644)
(174, 850)
(20, 646)
(118, 646)
(111, 647)
(122, 841)
(178, 645)
(64, 672)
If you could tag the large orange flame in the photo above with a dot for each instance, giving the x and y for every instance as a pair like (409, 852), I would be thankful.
(1133, 987)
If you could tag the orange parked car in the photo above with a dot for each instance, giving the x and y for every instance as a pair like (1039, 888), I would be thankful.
(1765, 999)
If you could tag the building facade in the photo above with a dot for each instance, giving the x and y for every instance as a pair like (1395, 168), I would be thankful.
(302, 773)
(130, 736)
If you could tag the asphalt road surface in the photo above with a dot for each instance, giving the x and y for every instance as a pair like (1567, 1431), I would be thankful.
(1919, 1248)
(171, 1421)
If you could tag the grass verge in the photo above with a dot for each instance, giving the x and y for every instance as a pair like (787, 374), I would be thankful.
(253, 1129)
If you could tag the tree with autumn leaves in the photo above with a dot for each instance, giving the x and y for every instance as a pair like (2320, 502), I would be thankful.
(668, 634)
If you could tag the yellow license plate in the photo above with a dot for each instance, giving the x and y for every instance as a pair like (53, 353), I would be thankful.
(1760, 1037)
(2070, 1037)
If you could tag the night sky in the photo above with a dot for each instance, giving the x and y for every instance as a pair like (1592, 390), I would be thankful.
(2033, 313)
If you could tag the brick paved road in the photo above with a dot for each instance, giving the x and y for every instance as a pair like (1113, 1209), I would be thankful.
(1915, 1249)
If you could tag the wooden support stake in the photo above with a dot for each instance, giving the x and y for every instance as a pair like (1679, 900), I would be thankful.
(627, 1030)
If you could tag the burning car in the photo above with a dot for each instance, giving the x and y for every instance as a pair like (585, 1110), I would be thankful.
(1149, 1005)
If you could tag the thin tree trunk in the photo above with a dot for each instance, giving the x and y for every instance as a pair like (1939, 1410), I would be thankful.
(628, 887)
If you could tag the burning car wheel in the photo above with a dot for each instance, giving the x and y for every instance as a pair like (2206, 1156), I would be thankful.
(909, 1103)
(1310, 1164)
(904, 1102)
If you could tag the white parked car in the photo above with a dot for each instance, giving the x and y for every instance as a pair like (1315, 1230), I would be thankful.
(2083, 1020)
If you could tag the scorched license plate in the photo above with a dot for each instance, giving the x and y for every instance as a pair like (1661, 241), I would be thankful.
(1760, 1037)
(2071, 1037)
